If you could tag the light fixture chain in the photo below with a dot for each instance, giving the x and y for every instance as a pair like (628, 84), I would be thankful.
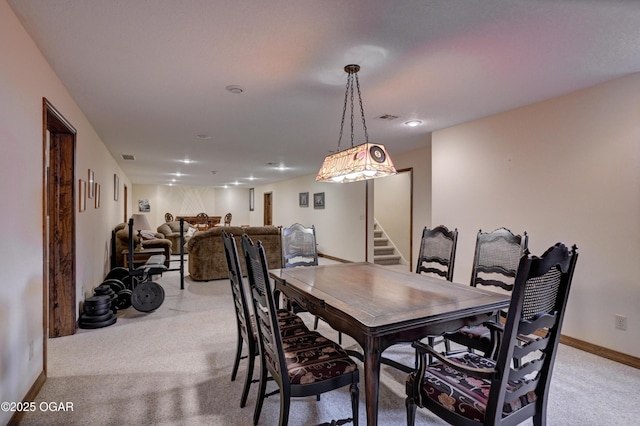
(351, 83)
(344, 113)
(364, 123)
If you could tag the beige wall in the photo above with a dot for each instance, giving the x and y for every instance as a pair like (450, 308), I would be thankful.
(25, 78)
(191, 200)
(567, 169)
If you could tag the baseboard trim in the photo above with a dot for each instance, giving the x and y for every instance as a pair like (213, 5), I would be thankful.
(601, 351)
(337, 259)
(29, 397)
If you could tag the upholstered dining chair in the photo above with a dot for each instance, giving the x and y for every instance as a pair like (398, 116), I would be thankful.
(302, 365)
(299, 248)
(470, 389)
(438, 252)
(227, 219)
(168, 217)
(290, 324)
(202, 221)
(495, 264)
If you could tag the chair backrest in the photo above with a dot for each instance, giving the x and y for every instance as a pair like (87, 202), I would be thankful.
(265, 309)
(227, 219)
(245, 329)
(496, 258)
(168, 217)
(438, 252)
(202, 219)
(299, 246)
(531, 335)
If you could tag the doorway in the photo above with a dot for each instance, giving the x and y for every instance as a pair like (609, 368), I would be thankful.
(393, 215)
(59, 233)
(268, 209)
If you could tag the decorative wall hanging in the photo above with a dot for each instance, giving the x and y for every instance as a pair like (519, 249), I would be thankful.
(318, 200)
(116, 187)
(304, 199)
(144, 206)
(82, 195)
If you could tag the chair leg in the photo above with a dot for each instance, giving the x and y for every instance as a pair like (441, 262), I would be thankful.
(411, 411)
(315, 324)
(261, 390)
(247, 380)
(285, 401)
(355, 399)
(237, 361)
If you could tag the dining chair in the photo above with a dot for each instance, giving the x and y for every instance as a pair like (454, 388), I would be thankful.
(301, 365)
(299, 248)
(202, 221)
(495, 264)
(227, 219)
(168, 217)
(290, 324)
(438, 252)
(437, 256)
(470, 389)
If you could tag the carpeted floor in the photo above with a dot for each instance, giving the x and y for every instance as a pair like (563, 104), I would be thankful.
(173, 367)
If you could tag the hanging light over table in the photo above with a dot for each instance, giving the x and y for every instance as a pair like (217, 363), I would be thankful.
(364, 161)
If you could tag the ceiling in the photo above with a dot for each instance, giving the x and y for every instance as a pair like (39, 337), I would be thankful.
(150, 75)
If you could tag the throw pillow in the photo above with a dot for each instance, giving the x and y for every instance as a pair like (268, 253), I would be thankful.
(147, 235)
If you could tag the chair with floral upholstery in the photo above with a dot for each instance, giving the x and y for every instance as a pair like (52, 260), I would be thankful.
(469, 389)
(289, 323)
(301, 365)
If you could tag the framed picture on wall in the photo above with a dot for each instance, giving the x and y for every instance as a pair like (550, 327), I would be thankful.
(97, 195)
(82, 195)
(90, 186)
(303, 199)
(251, 199)
(318, 200)
(144, 206)
(116, 187)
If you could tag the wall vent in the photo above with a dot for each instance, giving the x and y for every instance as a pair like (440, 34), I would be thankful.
(128, 157)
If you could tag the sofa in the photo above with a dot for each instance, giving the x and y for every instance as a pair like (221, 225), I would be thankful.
(120, 243)
(207, 260)
(171, 232)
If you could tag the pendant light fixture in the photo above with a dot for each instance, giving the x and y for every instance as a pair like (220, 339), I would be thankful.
(364, 161)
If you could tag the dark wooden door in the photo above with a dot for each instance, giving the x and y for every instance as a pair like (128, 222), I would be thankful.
(268, 206)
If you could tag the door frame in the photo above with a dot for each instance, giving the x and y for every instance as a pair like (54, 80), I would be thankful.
(59, 225)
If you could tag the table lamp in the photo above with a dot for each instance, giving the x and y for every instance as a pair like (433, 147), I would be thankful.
(140, 223)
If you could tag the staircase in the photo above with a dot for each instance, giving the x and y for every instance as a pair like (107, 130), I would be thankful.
(384, 253)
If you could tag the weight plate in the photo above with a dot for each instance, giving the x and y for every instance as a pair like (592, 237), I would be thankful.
(147, 296)
(99, 310)
(114, 284)
(124, 299)
(130, 282)
(96, 318)
(103, 290)
(117, 273)
(83, 324)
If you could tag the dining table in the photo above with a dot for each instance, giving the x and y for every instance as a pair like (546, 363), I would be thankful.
(380, 306)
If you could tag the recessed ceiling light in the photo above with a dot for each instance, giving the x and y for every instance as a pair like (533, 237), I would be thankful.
(187, 161)
(178, 174)
(236, 90)
(413, 123)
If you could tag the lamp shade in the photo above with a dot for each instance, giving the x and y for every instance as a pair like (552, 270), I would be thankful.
(364, 161)
(140, 222)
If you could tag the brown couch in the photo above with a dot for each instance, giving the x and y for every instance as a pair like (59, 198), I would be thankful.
(206, 251)
(120, 243)
(171, 232)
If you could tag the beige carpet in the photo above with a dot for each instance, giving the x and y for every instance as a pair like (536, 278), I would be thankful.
(173, 367)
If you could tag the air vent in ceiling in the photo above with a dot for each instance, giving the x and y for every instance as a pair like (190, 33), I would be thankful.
(128, 157)
(387, 117)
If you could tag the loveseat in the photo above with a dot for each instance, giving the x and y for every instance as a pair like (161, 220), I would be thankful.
(171, 232)
(120, 243)
(206, 252)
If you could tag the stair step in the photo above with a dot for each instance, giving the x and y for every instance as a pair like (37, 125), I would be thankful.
(380, 241)
(377, 234)
(388, 259)
(382, 250)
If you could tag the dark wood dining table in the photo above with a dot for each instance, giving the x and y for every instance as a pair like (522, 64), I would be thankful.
(379, 307)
